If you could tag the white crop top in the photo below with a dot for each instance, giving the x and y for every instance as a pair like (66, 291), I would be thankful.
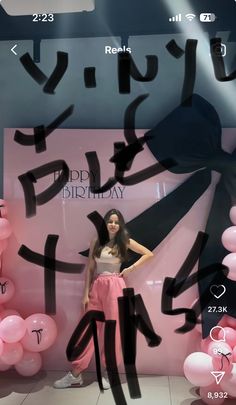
(107, 263)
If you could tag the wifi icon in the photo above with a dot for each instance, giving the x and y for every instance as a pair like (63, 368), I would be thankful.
(190, 16)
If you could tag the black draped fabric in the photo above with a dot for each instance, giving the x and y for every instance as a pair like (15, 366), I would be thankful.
(191, 135)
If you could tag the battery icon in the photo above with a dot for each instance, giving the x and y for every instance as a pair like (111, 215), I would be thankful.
(207, 17)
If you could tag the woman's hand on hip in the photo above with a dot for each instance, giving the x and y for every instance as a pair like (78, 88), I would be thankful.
(125, 272)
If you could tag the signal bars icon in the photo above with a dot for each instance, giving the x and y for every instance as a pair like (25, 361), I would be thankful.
(177, 17)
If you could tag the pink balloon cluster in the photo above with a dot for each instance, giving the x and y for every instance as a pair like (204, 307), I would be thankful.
(219, 355)
(229, 242)
(22, 340)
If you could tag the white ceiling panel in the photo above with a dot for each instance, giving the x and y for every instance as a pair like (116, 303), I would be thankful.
(28, 7)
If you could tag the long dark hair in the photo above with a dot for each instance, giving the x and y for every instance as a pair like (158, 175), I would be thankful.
(119, 243)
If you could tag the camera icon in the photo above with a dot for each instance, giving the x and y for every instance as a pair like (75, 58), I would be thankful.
(218, 49)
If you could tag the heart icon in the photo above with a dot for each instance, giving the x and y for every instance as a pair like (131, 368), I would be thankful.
(218, 290)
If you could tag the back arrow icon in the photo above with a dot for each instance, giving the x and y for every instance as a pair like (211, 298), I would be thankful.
(12, 49)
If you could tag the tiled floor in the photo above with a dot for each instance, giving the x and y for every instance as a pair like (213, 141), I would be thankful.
(38, 390)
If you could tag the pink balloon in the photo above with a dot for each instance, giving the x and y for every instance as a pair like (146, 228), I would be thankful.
(30, 364)
(5, 228)
(230, 262)
(7, 289)
(234, 354)
(230, 321)
(8, 312)
(41, 332)
(230, 336)
(4, 366)
(1, 312)
(1, 346)
(12, 329)
(223, 321)
(3, 245)
(215, 349)
(228, 382)
(3, 208)
(197, 369)
(205, 344)
(223, 364)
(232, 214)
(213, 389)
(12, 353)
(229, 238)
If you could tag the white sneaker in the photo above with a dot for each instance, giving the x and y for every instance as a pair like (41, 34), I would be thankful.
(68, 380)
(105, 383)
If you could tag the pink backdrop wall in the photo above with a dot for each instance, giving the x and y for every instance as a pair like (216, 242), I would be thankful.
(66, 216)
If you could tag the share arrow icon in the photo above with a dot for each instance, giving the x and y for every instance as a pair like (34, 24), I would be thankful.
(218, 376)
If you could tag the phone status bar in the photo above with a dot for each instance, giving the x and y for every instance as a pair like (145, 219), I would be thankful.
(203, 17)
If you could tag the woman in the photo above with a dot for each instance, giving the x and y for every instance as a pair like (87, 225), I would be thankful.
(102, 294)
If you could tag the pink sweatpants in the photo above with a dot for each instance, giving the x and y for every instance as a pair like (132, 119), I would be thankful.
(103, 297)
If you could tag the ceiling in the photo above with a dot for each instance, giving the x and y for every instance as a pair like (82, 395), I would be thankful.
(121, 18)
(29, 7)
